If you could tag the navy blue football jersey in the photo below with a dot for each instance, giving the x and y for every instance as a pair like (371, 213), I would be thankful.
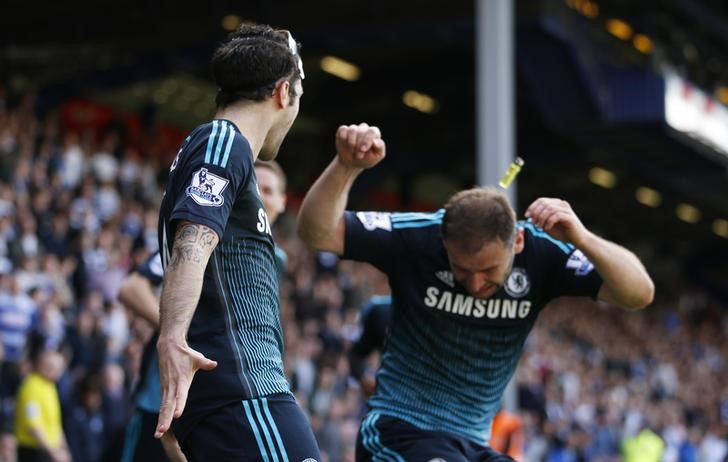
(449, 356)
(152, 269)
(237, 320)
(149, 393)
(374, 320)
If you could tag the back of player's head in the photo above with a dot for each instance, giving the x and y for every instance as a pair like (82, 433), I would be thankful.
(250, 63)
(478, 216)
(274, 167)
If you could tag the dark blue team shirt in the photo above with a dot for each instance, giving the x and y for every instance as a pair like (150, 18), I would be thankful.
(237, 320)
(374, 320)
(449, 356)
(148, 392)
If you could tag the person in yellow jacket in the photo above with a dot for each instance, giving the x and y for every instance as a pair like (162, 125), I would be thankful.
(38, 423)
(646, 446)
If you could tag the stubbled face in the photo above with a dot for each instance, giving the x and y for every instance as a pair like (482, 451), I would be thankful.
(484, 272)
(278, 132)
(269, 185)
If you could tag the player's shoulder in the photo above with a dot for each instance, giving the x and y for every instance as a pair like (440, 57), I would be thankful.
(377, 304)
(417, 220)
(219, 143)
(539, 241)
(32, 386)
(410, 225)
(419, 231)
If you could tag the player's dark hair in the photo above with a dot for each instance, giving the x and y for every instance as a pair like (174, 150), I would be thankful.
(248, 65)
(274, 167)
(477, 216)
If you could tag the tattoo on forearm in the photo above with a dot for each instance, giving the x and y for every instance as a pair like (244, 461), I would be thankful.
(192, 243)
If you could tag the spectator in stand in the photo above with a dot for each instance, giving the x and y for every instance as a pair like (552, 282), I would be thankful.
(38, 424)
(116, 403)
(48, 198)
(85, 426)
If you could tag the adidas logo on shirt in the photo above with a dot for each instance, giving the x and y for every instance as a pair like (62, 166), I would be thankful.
(446, 277)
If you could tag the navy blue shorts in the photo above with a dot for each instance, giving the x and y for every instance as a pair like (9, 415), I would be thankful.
(270, 429)
(139, 442)
(387, 439)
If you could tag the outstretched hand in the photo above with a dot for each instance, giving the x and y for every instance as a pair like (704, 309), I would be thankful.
(178, 364)
(360, 146)
(556, 217)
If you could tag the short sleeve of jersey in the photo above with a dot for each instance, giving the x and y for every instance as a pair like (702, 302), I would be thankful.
(576, 275)
(569, 270)
(370, 237)
(152, 270)
(212, 175)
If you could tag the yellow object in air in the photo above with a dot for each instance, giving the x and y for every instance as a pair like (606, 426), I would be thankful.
(511, 173)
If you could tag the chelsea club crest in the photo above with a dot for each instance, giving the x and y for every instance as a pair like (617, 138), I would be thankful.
(518, 283)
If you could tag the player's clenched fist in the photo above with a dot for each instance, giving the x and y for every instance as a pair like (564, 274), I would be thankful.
(360, 145)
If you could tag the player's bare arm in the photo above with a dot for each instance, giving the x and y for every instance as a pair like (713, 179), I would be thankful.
(193, 245)
(626, 282)
(321, 218)
(137, 294)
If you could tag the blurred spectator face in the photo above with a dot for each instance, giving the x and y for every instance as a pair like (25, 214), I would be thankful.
(151, 218)
(71, 139)
(42, 201)
(92, 399)
(271, 191)
(60, 225)
(327, 292)
(113, 378)
(50, 365)
(86, 322)
(94, 302)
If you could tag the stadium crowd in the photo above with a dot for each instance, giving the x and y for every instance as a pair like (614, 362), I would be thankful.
(78, 211)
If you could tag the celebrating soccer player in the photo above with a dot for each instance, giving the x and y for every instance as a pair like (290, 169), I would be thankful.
(468, 282)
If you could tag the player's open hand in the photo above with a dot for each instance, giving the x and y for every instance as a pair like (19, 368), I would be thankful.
(360, 145)
(178, 364)
(556, 217)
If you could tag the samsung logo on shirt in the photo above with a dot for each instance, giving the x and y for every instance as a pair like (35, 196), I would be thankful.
(465, 305)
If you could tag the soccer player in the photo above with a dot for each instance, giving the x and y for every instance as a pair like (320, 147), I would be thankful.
(138, 294)
(468, 283)
(220, 345)
(272, 188)
(374, 320)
